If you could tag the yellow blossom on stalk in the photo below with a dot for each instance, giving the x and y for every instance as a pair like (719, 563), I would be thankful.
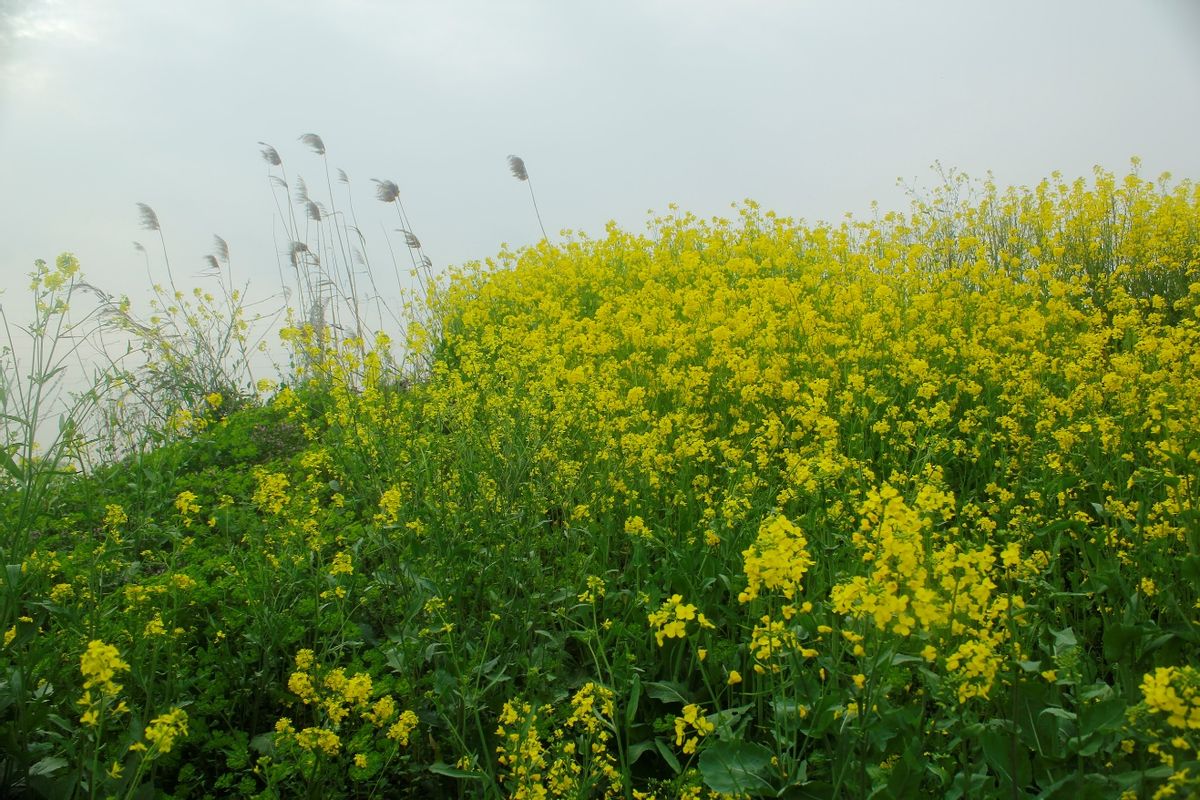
(272, 492)
(322, 739)
(670, 621)
(1010, 556)
(636, 527)
(1169, 717)
(164, 729)
(99, 664)
(214, 400)
(357, 690)
(403, 727)
(389, 506)
(183, 581)
(772, 639)
(1174, 692)
(304, 659)
(382, 711)
(777, 560)
(114, 516)
(154, 627)
(341, 564)
(590, 706)
(692, 721)
(186, 504)
(336, 680)
(595, 590)
(301, 685)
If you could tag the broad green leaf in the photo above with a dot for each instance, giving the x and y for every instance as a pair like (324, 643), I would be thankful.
(1064, 640)
(440, 768)
(48, 766)
(735, 767)
(667, 691)
(635, 751)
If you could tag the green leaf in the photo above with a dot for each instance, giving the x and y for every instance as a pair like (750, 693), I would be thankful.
(1104, 716)
(263, 743)
(1061, 713)
(48, 766)
(668, 756)
(635, 696)
(440, 768)
(10, 466)
(1008, 758)
(1064, 640)
(636, 751)
(735, 767)
(1118, 640)
(902, 658)
(668, 691)
(1189, 568)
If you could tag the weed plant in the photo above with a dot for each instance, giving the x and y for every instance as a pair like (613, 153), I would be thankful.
(733, 508)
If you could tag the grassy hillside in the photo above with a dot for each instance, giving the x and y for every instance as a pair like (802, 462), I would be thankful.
(731, 508)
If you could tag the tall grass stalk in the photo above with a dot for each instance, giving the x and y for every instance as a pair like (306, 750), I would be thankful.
(517, 166)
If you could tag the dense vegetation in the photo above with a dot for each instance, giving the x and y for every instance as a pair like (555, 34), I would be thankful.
(756, 508)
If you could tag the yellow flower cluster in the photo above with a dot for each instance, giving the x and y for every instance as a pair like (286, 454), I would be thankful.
(186, 504)
(164, 729)
(272, 492)
(573, 759)
(595, 590)
(945, 595)
(1174, 692)
(1169, 716)
(333, 697)
(691, 727)
(670, 621)
(100, 664)
(389, 506)
(342, 564)
(773, 639)
(777, 560)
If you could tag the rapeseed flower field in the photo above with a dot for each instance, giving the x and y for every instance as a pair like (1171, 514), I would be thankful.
(736, 507)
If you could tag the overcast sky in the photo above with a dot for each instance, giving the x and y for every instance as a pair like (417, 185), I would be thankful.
(618, 107)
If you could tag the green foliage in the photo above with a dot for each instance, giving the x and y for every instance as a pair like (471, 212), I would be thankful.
(890, 509)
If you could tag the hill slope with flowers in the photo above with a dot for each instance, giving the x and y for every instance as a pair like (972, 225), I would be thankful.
(745, 508)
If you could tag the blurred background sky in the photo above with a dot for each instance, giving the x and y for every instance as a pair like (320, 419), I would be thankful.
(811, 108)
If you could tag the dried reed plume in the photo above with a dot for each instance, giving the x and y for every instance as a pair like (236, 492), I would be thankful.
(387, 191)
(149, 221)
(270, 155)
(147, 217)
(315, 142)
(517, 165)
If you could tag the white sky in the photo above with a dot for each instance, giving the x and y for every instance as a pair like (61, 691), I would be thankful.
(618, 107)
